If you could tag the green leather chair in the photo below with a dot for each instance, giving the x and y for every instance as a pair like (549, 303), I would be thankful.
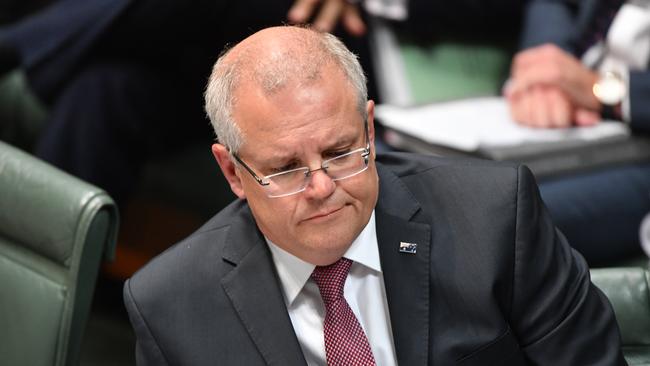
(628, 291)
(54, 232)
(22, 115)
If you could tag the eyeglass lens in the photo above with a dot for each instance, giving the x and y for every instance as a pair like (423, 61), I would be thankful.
(338, 168)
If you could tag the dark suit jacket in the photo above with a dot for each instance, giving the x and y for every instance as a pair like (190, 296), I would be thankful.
(57, 41)
(566, 23)
(492, 283)
(472, 21)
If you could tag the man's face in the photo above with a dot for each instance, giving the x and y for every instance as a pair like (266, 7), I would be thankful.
(302, 125)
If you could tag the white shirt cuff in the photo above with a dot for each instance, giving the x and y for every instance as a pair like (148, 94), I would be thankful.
(387, 9)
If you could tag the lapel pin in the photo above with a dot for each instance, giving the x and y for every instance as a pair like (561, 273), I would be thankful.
(409, 248)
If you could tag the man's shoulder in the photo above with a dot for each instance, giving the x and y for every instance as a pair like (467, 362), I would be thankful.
(449, 183)
(201, 251)
(404, 165)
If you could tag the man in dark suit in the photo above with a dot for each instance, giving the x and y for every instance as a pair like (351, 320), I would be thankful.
(424, 20)
(583, 61)
(121, 76)
(449, 261)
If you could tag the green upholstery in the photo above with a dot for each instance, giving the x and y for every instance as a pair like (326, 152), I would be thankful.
(452, 70)
(412, 71)
(22, 115)
(628, 291)
(54, 231)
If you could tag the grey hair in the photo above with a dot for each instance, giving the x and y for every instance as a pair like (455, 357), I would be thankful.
(273, 74)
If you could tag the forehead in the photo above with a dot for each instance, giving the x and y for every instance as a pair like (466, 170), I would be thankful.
(313, 113)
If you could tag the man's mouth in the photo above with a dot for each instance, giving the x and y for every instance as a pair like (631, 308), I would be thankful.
(324, 214)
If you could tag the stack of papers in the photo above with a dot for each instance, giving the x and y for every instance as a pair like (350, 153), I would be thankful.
(475, 124)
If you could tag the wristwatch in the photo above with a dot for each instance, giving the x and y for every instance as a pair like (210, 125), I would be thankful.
(610, 89)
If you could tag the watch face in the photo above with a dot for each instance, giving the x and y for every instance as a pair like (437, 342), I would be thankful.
(610, 89)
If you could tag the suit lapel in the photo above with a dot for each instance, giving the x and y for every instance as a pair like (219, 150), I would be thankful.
(406, 275)
(254, 290)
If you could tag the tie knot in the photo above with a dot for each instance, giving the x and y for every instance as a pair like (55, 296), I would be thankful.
(331, 279)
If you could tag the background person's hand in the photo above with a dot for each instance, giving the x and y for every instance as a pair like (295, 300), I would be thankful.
(326, 14)
(549, 65)
(545, 106)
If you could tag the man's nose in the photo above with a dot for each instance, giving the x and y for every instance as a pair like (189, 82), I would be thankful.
(320, 185)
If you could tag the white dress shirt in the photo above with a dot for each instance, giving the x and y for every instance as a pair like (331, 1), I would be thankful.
(364, 291)
(626, 46)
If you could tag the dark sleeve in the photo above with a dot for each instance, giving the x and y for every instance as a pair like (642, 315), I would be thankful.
(147, 351)
(549, 21)
(473, 19)
(558, 315)
(639, 96)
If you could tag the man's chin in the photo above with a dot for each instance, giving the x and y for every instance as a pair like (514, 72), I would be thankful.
(329, 244)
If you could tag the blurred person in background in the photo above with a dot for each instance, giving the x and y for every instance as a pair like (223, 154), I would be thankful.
(121, 77)
(581, 62)
(428, 20)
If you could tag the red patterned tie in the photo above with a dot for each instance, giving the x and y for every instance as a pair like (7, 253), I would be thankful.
(345, 342)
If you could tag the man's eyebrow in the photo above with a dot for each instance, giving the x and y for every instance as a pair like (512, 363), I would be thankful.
(281, 157)
(278, 158)
(344, 141)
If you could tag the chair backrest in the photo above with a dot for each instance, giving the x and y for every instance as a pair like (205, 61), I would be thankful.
(54, 231)
(410, 72)
(628, 291)
(21, 112)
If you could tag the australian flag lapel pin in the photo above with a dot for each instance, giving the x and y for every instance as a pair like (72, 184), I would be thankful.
(409, 248)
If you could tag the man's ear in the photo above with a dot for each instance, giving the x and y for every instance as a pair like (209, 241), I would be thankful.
(370, 110)
(229, 169)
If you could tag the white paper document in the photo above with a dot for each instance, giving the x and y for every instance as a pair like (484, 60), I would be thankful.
(470, 124)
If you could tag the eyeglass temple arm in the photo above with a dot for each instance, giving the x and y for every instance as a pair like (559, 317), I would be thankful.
(252, 173)
(365, 125)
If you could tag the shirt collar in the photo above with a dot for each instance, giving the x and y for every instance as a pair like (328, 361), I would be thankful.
(294, 272)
